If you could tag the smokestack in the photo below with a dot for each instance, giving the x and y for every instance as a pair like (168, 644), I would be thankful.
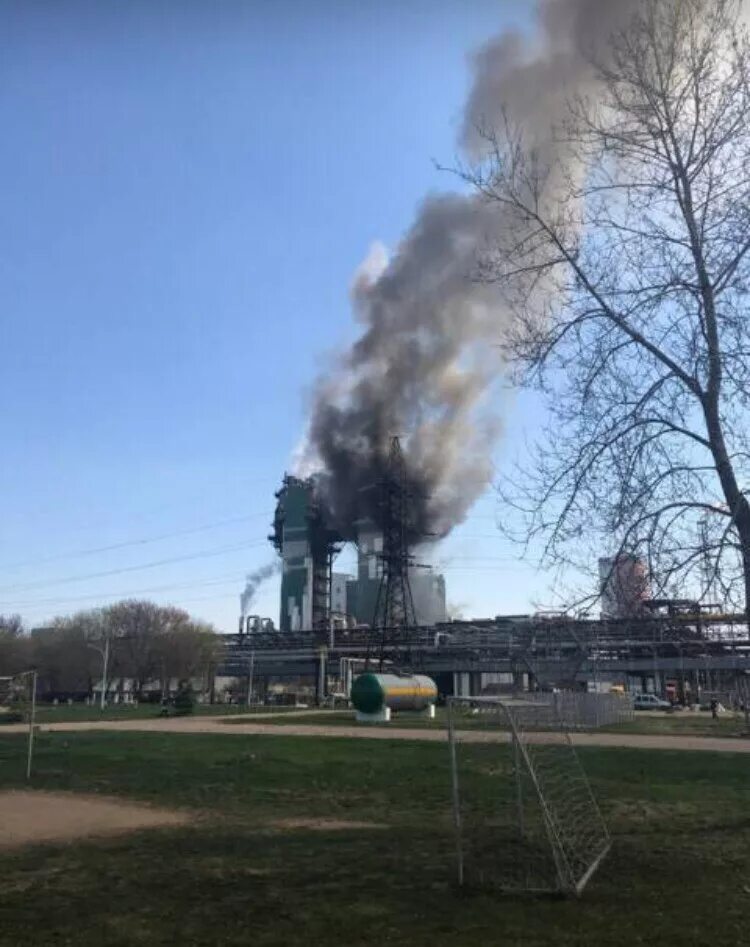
(430, 351)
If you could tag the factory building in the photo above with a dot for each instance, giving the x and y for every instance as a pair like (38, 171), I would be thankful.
(428, 591)
(339, 583)
(427, 587)
(306, 545)
(311, 593)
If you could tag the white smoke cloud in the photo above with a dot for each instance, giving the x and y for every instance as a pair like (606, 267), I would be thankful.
(372, 267)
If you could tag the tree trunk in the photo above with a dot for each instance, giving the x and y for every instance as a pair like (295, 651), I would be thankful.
(736, 500)
(745, 543)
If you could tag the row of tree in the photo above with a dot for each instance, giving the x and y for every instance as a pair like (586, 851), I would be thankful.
(147, 643)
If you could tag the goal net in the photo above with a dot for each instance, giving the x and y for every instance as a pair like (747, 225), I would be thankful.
(525, 817)
(18, 705)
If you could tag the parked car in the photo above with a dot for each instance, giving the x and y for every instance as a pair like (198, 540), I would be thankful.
(10, 715)
(650, 702)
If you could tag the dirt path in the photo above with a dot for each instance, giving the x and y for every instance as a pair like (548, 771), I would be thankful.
(32, 818)
(215, 725)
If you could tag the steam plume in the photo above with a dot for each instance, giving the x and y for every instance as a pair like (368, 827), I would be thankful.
(253, 582)
(429, 352)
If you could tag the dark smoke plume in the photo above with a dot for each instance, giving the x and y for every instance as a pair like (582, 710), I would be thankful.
(253, 581)
(430, 349)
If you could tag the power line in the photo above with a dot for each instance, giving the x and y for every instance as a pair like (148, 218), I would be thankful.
(95, 550)
(213, 487)
(50, 604)
(178, 602)
(514, 559)
(135, 542)
(222, 596)
(127, 593)
(31, 586)
(207, 553)
(216, 580)
(462, 536)
(146, 565)
(495, 569)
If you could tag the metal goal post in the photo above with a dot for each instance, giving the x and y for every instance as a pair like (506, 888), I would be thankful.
(524, 813)
(18, 697)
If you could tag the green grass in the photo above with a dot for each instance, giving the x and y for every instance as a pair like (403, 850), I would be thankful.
(680, 821)
(677, 724)
(686, 724)
(66, 713)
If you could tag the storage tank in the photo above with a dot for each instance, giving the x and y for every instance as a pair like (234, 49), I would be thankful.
(371, 693)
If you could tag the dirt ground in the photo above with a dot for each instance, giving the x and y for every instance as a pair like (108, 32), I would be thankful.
(32, 818)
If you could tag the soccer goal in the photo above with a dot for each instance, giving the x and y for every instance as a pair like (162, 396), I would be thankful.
(18, 704)
(525, 817)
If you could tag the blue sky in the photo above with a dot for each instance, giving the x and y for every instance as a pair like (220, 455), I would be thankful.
(188, 188)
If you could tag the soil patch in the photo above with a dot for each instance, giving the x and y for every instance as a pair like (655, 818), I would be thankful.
(33, 818)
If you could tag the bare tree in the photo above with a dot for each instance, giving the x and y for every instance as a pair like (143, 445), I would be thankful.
(135, 627)
(14, 645)
(147, 642)
(153, 642)
(62, 656)
(187, 649)
(625, 264)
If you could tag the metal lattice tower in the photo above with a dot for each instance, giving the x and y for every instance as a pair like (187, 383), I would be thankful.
(394, 607)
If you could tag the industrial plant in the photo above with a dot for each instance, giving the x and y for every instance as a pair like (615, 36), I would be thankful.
(313, 594)
(390, 617)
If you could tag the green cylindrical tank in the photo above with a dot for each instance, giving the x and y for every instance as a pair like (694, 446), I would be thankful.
(371, 692)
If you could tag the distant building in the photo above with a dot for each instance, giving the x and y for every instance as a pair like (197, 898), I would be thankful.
(428, 592)
(339, 581)
(624, 586)
(427, 587)
(305, 543)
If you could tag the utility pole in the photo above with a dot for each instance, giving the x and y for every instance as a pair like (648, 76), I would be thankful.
(32, 722)
(105, 668)
(103, 649)
(250, 670)
(322, 674)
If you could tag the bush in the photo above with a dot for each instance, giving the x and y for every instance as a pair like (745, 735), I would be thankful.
(184, 701)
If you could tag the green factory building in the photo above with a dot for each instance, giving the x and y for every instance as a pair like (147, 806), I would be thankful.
(311, 591)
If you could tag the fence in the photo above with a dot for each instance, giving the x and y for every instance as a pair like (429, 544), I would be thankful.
(574, 710)
(582, 711)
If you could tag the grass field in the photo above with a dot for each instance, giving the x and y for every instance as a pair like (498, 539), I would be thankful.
(64, 713)
(678, 871)
(686, 724)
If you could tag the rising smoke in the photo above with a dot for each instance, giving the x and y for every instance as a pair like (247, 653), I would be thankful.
(253, 581)
(430, 351)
